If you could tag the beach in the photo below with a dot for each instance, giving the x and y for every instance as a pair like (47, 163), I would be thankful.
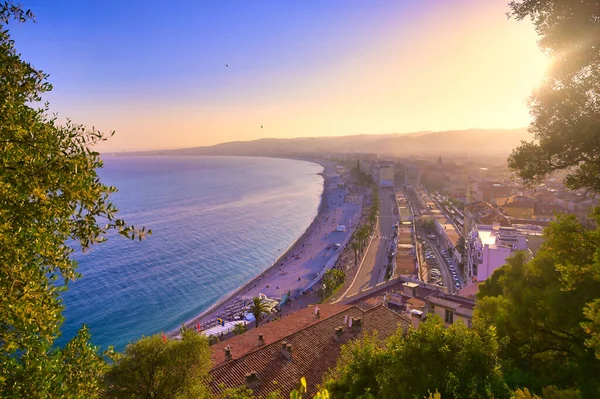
(297, 267)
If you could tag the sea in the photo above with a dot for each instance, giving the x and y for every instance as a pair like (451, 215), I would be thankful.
(216, 223)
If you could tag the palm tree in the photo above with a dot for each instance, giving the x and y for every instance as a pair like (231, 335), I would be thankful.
(355, 247)
(257, 308)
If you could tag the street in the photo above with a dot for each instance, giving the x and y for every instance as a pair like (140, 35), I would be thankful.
(372, 269)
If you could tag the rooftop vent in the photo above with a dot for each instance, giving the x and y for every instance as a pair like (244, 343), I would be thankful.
(228, 352)
(338, 332)
(251, 379)
(261, 339)
(286, 350)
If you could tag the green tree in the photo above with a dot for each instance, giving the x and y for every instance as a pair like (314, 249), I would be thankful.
(355, 245)
(566, 115)
(50, 201)
(153, 368)
(239, 329)
(332, 279)
(355, 375)
(524, 394)
(257, 308)
(543, 311)
(454, 361)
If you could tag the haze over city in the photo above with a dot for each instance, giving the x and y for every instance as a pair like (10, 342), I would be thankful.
(181, 75)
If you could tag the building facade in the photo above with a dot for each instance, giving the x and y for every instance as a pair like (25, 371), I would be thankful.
(488, 246)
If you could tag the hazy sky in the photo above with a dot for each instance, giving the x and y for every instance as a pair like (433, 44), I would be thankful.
(156, 71)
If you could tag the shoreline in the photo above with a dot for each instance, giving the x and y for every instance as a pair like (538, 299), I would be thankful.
(230, 298)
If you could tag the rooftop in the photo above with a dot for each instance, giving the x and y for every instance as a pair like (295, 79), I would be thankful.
(274, 331)
(314, 348)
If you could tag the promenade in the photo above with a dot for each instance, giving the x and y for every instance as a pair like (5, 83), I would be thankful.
(298, 267)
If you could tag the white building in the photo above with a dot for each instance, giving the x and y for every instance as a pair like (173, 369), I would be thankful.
(488, 247)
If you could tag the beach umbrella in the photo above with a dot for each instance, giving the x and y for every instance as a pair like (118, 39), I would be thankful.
(198, 327)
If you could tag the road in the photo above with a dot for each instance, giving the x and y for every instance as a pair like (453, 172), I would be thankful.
(444, 269)
(372, 268)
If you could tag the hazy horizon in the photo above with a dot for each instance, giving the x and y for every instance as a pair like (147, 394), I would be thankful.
(192, 75)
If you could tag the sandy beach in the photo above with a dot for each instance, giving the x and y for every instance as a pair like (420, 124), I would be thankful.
(302, 262)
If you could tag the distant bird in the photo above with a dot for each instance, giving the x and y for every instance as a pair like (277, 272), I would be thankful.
(226, 65)
(261, 126)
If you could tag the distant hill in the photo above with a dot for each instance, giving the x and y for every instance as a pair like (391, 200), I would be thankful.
(473, 142)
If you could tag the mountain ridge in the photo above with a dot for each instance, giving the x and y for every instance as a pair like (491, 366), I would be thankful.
(469, 142)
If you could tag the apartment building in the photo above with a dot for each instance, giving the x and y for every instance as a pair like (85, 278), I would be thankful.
(488, 246)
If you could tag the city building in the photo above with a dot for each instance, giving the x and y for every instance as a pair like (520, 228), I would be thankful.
(488, 246)
(385, 174)
(306, 343)
(412, 176)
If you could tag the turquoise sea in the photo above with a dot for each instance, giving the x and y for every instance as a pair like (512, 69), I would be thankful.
(217, 222)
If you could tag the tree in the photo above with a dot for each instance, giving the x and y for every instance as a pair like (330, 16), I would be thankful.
(565, 108)
(543, 310)
(257, 308)
(355, 375)
(454, 361)
(355, 245)
(50, 201)
(153, 368)
(331, 280)
(239, 329)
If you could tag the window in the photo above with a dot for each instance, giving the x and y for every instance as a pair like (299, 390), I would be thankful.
(449, 316)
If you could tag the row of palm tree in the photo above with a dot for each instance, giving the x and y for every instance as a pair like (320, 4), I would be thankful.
(363, 233)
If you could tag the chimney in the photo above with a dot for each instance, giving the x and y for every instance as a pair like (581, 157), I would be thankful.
(339, 331)
(415, 318)
(356, 323)
(228, 352)
(286, 350)
(261, 339)
(251, 379)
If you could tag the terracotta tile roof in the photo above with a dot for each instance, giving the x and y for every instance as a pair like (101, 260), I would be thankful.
(273, 331)
(314, 351)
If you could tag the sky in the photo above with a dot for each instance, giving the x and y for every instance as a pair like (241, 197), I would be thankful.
(175, 74)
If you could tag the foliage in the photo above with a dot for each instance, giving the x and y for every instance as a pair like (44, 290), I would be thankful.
(357, 367)
(257, 308)
(355, 246)
(332, 279)
(152, 368)
(545, 310)
(236, 393)
(456, 361)
(239, 329)
(524, 394)
(302, 388)
(51, 200)
(566, 107)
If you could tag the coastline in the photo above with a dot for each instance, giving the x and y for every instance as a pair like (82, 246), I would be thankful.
(295, 247)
